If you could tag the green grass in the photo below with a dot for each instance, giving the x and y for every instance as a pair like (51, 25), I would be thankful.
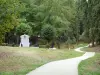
(81, 45)
(20, 61)
(90, 66)
(92, 49)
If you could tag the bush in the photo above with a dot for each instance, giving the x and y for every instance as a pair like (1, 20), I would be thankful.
(4, 44)
(84, 37)
(23, 29)
(43, 46)
(48, 32)
(42, 42)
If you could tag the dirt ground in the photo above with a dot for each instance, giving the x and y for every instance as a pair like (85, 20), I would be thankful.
(93, 49)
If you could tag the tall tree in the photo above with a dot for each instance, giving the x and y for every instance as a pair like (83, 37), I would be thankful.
(90, 19)
(53, 12)
(9, 12)
(57, 13)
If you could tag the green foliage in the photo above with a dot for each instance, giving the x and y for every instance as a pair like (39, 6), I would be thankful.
(69, 41)
(23, 29)
(90, 16)
(59, 14)
(48, 32)
(9, 12)
(53, 12)
(42, 41)
(43, 46)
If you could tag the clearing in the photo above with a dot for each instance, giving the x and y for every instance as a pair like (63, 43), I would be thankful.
(20, 61)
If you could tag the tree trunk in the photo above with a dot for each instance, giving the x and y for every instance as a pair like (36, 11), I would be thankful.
(18, 38)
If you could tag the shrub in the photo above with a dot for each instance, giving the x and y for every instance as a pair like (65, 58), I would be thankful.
(43, 46)
(23, 29)
(48, 33)
(42, 42)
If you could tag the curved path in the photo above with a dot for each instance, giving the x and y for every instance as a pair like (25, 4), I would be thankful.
(62, 67)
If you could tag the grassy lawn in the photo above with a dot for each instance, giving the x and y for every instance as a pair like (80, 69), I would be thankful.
(20, 61)
(92, 49)
(91, 66)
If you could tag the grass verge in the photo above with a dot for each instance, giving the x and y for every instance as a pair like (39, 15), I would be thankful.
(91, 66)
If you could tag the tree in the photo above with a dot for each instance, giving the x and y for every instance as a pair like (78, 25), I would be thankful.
(48, 33)
(9, 12)
(23, 29)
(90, 10)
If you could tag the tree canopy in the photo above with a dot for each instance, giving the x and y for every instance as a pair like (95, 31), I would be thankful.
(70, 19)
(9, 12)
(90, 19)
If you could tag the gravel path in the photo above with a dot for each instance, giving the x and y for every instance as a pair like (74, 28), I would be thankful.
(62, 67)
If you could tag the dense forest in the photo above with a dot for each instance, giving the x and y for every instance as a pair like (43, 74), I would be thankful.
(50, 21)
